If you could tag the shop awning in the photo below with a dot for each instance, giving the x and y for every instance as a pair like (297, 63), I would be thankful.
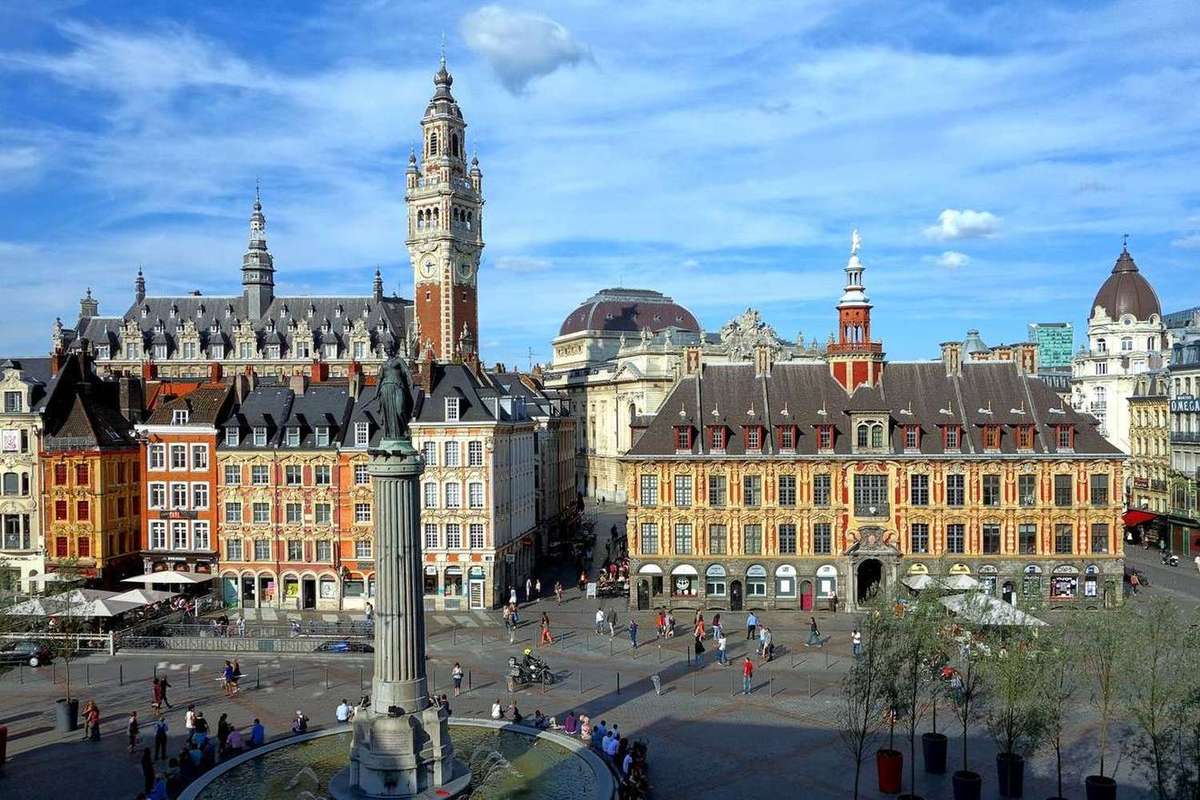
(1134, 517)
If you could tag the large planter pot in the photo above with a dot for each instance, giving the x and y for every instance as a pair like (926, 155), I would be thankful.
(1010, 770)
(933, 747)
(967, 785)
(66, 715)
(890, 764)
(1100, 787)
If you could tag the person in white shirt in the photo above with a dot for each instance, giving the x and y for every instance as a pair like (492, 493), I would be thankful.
(599, 620)
(189, 720)
(343, 712)
(497, 710)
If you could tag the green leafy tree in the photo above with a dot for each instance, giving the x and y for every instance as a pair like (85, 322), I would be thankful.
(866, 687)
(1057, 681)
(918, 662)
(1016, 717)
(1099, 649)
(1153, 685)
(67, 606)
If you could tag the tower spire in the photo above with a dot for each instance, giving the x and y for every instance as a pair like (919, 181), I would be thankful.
(258, 267)
(854, 358)
(139, 286)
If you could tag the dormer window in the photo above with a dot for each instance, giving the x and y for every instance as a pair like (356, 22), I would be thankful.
(216, 352)
(1064, 437)
(102, 352)
(272, 351)
(179, 416)
(869, 435)
(322, 434)
(912, 437)
(160, 352)
(331, 351)
(785, 437)
(260, 436)
(824, 438)
(991, 437)
(752, 438)
(293, 436)
(951, 437)
(717, 436)
(1024, 436)
(1101, 346)
(683, 437)
(452, 409)
(362, 434)
(232, 436)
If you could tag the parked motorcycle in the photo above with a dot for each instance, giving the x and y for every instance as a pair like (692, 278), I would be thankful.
(1170, 559)
(527, 670)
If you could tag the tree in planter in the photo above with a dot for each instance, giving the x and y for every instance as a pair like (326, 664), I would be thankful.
(865, 688)
(1057, 683)
(917, 649)
(967, 691)
(1100, 644)
(1017, 718)
(67, 603)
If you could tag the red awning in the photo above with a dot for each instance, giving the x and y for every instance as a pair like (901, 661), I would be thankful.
(1135, 517)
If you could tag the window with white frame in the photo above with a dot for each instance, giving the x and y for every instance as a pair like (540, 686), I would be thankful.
(179, 456)
(179, 416)
(430, 495)
(453, 536)
(232, 436)
(324, 551)
(200, 496)
(260, 436)
(475, 453)
(156, 456)
(261, 513)
(233, 549)
(322, 513)
(157, 495)
(179, 535)
(362, 549)
(199, 456)
(233, 512)
(362, 512)
(431, 536)
(322, 434)
(200, 535)
(429, 453)
(362, 434)
(361, 475)
(260, 474)
(322, 475)
(262, 549)
(293, 474)
(475, 533)
(295, 550)
(475, 494)
(451, 409)
(453, 495)
(293, 513)
(293, 436)
(179, 495)
(451, 449)
(233, 474)
(158, 535)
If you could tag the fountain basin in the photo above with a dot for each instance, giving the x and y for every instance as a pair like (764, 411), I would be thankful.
(507, 762)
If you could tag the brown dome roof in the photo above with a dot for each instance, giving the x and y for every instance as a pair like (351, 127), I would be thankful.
(1127, 292)
(630, 310)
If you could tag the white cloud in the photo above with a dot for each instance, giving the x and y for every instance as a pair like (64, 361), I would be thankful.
(965, 224)
(520, 46)
(1189, 241)
(522, 264)
(952, 259)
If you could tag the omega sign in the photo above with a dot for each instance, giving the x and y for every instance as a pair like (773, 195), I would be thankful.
(1184, 404)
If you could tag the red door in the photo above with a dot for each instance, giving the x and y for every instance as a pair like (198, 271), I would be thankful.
(806, 596)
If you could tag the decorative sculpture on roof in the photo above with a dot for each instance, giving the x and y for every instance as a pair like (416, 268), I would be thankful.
(855, 242)
(743, 333)
(395, 399)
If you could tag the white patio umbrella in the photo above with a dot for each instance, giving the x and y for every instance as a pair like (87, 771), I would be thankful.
(76, 603)
(173, 577)
(986, 610)
(960, 583)
(104, 608)
(917, 582)
(143, 596)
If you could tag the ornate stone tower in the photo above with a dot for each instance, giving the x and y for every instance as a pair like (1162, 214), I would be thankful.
(854, 358)
(445, 223)
(258, 268)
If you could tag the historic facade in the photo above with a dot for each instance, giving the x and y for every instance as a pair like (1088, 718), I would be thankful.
(776, 485)
(1149, 445)
(23, 386)
(1126, 338)
(1183, 522)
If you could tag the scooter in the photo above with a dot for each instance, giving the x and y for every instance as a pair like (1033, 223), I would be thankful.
(1170, 559)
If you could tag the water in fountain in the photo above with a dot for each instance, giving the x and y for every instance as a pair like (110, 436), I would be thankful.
(485, 762)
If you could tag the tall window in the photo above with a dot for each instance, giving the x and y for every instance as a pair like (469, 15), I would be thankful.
(451, 449)
(752, 539)
(1099, 537)
(60, 473)
(474, 454)
(1062, 490)
(912, 437)
(453, 536)
(919, 490)
(787, 490)
(293, 513)
(1099, 486)
(233, 512)
(322, 513)
(787, 538)
(156, 457)
(1064, 437)
(683, 539)
(233, 475)
(475, 494)
(362, 512)
(179, 535)
(293, 436)
(361, 475)
(1027, 538)
(648, 494)
(649, 540)
(787, 437)
(233, 549)
(753, 438)
(81, 474)
(716, 438)
(322, 475)
(1024, 436)
(718, 540)
(822, 538)
(991, 490)
(991, 538)
(1062, 538)
(920, 537)
(262, 513)
(232, 439)
(157, 495)
(362, 549)
(821, 489)
(324, 551)
(362, 434)
(991, 437)
(292, 474)
(200, 496)
(60, 510)
(429, 451)
(429, 495)
(825, 437)
(200, 535)
(955, 494)
(295, 550)
(1027, 490)
(716, 491)
(431, 536)
(870, 492)
(955, 537)
(83, 510)
(179, 495)
(158, 535)
(683, 491)
(322, 434)
(199, 456)
(951, 437)
(260, 474)
(752, 490)
(475, 531)
(452, 409)
(453, 495)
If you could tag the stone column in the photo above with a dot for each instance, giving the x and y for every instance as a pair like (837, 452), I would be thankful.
(399, 594)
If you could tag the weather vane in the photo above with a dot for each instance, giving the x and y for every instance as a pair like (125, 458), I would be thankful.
(1125, 241)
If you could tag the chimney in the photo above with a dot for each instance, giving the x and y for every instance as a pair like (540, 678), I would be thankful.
(356, 380)
(320, 371)
(149, 371)
(1027, 358)
(952, 358)
(691, 359)
(298, 383)
(56, 361)
(424, 371)
(130, 398)
(241, 386)
(214, 372)
(250, 377)
(762, 361)
(499, 367)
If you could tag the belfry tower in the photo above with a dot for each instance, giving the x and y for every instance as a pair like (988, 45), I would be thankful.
(854, 359)
(445, 236)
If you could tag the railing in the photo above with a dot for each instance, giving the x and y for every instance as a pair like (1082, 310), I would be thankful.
(872, 510)
(1185, 438)
(87, 642)
(221, 644)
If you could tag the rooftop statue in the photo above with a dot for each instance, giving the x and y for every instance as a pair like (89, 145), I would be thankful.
(395, 399)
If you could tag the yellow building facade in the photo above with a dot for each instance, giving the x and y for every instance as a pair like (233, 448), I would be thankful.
(1149, 464)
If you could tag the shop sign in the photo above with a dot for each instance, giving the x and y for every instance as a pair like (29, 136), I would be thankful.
(918, 569)
(1141, 483)
(1185, 404)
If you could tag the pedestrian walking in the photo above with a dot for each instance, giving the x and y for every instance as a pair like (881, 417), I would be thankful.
(814, 633)
(599, 620)
(856, 643)
(87, 719)
(698, 649)
(227, 678)
(751, 625)
(537, 590)
(633, 629)
(768, 645)
(833, 601)
(237, 675)
(761, 646)
(512, 596)
(131, 729)
(156, 694)
(160, 737)
(1197, 560)
(698, 630)
(722, 642)
(189, 720)
(456, 675)
(582, 580)
(241, 626)
(546, 637)
(661, 622)
(558, 592)
(670, 625)
(612, 622)
(1134, 582)
(747, 674)
(717, 630)
(528, 590)
(163, 685)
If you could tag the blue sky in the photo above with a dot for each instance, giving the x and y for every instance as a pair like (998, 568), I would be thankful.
(991, 155)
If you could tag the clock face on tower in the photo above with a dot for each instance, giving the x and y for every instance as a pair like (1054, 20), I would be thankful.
(427, 270)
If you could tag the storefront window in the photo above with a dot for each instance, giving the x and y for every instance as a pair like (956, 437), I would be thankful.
(431, 580)
(353, 588)
(756, 581)
(1091, 581)
(454, 582)
(1031, 583)
(1064, 583)
(714, 581)
(826, 581)
(785, 581)
(684, 581)
(328, 589)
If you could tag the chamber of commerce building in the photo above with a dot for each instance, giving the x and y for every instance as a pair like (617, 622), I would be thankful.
(788, 485)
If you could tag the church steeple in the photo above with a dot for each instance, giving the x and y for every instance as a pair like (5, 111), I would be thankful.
(854, 358)
(258, 268)
(139, 287)
(445, 209)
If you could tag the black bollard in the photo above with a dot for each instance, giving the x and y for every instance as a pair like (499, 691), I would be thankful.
(121, 674)
(618, 683)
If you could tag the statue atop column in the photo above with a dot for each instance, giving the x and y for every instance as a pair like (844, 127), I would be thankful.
(395, 398)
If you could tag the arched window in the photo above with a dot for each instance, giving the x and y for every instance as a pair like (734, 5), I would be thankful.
(876, 436)
(433, 144)
(454, 145)
(1101, 346)
(1150, 343)
(436, 216)
(1126, 343)
(11, 483)
(863, 433)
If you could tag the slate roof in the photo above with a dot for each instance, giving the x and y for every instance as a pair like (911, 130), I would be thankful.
(81, 410)
(35, 372)
(204, 406)
(914, 393)
(630, 310)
